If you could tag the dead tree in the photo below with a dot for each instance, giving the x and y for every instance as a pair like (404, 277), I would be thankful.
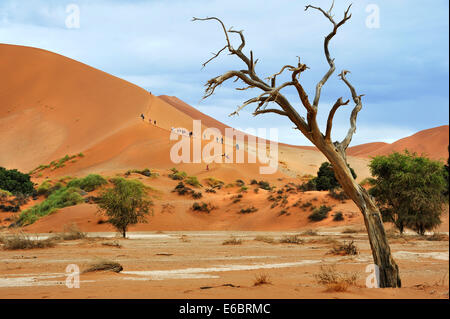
(335, 152)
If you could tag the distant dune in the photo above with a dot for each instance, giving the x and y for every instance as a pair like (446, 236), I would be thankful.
(432, 143)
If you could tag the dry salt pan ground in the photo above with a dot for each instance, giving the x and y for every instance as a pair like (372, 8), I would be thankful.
(198, 265)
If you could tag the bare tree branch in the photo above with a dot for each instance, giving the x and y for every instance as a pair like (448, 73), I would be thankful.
(333, 110)
(270, 111)
(327, 40)
(358, 105)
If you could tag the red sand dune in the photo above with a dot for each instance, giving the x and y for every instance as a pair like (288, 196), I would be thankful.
(432, 143)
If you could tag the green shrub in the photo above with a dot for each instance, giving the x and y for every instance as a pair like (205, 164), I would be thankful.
(145, 172)
(264, 185)
(88, 183)
(16, 182)
(176, 175)
(4, 194)
(64, 197)
(253, 182)
(193, 181)
(214, 183)
(320, 213)
(240, 182)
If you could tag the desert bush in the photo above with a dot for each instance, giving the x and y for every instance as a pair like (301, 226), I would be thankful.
(232, 241)
(88, 183)
(243, 189)
(4, 194)
(262, 279)
(248, 210)
(197, 195)
(210, 190)
(176, 175)
(319, 213)
(264, 185)
(265, 239)
(334, 280)
(146, 172)
(306, 205)
(202, 207)
(193, 181)
(284, 212)
(125, 204)
(409, 190)
(104, 265)
(214, 183)
(344, 249)
(23, 241)
(239, 182)
(181, 189)
(16, 182)
(291, 239)
(256, 190)
(64, 197)
(338, 216)
(253, 182)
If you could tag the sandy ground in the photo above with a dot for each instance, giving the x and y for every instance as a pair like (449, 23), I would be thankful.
(196, 265)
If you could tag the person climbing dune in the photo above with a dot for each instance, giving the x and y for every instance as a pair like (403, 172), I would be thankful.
(142, 116)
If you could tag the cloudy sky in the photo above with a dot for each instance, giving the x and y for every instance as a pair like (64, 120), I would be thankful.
(397, 51)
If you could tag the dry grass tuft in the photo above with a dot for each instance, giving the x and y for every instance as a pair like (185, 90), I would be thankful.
(232, 241)
(265, 239)
(310, 232)
(71, 232)
(104, 265)
(292, 239)
(334, 280)
(114, 243)
(344, 249)
(262, 279)
(23, 241)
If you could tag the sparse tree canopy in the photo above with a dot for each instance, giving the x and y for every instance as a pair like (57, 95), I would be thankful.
(335, 152)
(125, 204)
(409, 189)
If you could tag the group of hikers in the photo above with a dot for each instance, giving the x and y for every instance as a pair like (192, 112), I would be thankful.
(185, 132)
(149, 120)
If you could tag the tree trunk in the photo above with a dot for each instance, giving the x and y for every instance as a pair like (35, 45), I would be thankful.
(381, 252)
